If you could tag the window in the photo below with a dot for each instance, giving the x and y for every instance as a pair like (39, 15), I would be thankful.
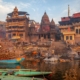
(21, 27)
(67, 37)
(14, 34)
(76, 31)
(70, 37)
(21, 35)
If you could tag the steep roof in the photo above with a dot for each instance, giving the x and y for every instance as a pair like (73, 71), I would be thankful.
(52, 22)
(45, 19)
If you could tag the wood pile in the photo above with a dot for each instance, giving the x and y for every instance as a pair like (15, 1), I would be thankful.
(7, 50)
(6, 56)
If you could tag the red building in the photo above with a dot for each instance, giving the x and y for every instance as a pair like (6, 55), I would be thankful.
(70, 28)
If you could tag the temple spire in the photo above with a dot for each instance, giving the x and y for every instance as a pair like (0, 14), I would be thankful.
(52, 22)
(68, 11)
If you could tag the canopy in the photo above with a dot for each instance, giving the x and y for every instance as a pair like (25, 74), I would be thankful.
(15, 37)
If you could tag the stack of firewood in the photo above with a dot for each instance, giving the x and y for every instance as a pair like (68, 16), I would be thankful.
(4, 56)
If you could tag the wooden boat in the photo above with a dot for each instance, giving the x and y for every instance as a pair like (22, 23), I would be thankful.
(23, 72)
(11, 77)
(12, 61)
(30, 73)
(52, 59)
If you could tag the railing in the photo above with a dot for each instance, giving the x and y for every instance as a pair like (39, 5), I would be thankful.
(68, 32)
(15, 24)
(16, 17)
(15, 30)
(65, 26)
(76, 24)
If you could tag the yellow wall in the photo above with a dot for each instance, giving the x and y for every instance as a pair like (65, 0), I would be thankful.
(68, 40)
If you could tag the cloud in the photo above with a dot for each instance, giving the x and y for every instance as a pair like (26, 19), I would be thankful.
(4, 9)
(37, 8)
(0, 0)
(7, 7)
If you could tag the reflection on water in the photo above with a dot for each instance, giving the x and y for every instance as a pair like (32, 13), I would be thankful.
(11, 66)
(42, 66)
(46, 66)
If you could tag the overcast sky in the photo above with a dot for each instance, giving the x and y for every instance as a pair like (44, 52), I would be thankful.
(36, 8)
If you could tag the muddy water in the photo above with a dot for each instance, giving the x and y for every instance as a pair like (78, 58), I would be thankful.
(43, 66)
(46, 66)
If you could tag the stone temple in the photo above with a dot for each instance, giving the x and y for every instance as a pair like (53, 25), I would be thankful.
(17, 27)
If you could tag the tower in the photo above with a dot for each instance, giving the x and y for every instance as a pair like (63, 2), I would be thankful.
(17, 25)
(32, 27)
(52, 25)
(45, 23)
(15, 12)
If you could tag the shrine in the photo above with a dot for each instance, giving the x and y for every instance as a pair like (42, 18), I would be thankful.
(17, 25)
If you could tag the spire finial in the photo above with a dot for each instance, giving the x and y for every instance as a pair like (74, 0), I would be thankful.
(68, 11)
(45, 12)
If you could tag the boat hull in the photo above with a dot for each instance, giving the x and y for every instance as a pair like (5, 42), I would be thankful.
(30, 73)
(51, 59)
(11, 77)
(12, 61)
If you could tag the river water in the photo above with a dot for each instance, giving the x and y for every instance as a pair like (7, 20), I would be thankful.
(42, 66)
(46, 66)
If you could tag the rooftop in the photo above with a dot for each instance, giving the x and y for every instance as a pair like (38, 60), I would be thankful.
(19, 13)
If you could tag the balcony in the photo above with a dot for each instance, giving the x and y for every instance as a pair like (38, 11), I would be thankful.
(64, 26)
(76, 24)
(68, 32)
(15, 24)
(16, 17)
(15, 30)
